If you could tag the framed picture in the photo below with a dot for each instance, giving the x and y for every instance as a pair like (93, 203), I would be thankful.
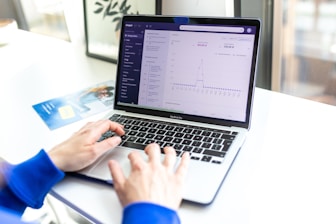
(102, 20)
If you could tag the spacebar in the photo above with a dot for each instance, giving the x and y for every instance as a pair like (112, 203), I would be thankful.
(134, 145)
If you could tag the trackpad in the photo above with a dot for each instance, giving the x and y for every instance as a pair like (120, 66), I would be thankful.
(100, 170)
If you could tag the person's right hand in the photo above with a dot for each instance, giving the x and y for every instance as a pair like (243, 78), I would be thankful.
(82, 148)
(151, 181)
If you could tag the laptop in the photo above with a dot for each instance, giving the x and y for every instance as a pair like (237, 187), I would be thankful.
(185, 82)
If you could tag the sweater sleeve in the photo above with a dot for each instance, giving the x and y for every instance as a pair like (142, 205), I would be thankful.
(28, 183)
(145, 212)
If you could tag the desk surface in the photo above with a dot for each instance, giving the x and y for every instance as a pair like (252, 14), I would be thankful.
(284, 173)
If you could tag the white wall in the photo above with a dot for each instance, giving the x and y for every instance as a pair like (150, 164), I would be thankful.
(198, 7)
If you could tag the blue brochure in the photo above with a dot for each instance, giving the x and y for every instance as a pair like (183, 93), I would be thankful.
(74, 107)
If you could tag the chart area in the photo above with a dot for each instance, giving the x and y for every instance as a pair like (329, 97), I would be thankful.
(210, 77)
(197, 73)
(202, 82)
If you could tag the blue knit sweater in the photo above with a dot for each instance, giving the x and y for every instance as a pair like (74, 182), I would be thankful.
(27, 184)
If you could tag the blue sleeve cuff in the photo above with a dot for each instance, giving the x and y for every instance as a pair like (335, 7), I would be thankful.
(31, 180)
(145, 212)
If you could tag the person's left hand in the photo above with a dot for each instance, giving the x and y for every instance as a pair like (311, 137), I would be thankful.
(82, 148)
(151, 181)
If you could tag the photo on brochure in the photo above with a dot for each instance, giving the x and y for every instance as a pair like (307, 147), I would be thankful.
(65, 110)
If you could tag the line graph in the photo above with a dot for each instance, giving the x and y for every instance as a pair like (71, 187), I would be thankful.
(202, 82)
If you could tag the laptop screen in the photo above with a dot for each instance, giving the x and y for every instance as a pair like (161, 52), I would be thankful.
(187, 67)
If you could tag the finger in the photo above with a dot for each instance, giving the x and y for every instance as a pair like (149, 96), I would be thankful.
(137, 162)
(170, 157)
(117, 174)
(182, 168)
(117, 128)
(102, 126)
(109, 143)
(113, 126)
(154, 153)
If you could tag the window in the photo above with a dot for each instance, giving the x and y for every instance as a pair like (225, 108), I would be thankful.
(306, 49)
(46, 17)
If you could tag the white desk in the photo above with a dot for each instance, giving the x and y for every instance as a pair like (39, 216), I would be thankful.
(285, 172)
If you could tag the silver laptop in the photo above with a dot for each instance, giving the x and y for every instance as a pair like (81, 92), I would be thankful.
(185, 82)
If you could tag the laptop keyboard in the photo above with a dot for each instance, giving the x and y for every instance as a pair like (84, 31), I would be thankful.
(203, 144)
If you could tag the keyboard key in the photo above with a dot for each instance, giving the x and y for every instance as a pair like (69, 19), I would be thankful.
(141, 134)
(168, 139)
(134, 145)
(152, 130)
(215, 135)
(217, 147)
(178, 135)
(158, 137)
(197, 131)
(206, 158)
(178, 147)
(144, 124)
(132, 139)
(206, 133)
(226, 145)
(188, 148)
(188, 136)
(177, 140)
(217, 141)
(169, 128)
(152, 125)
(149, 141)
(161, 126)
(114, 117)
(141, 140)
(206, 145)
(187, 130)
(186, 142)
(170, 133)
(213, 153)
(207, 139)
(161, 132)
(132, 133)
(143, 129)
(197, 138)
(196, 143)
(228, 137)
(149, 135)
(178, 129)
(127, 126)
(197, 150)
(168, 144)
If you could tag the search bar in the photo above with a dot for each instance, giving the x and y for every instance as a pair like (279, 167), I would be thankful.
(212, 28)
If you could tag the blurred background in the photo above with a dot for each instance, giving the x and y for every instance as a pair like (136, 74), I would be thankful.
(297, 51)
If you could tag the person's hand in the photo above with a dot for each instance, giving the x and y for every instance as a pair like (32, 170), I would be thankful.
(82, 148)
(153, 181)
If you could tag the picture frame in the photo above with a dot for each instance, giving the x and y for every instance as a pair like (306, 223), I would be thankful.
(102, 23)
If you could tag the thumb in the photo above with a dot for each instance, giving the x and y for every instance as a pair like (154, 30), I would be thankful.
(107, 144)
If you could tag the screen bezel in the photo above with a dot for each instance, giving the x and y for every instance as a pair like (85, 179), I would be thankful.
(195, 20)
